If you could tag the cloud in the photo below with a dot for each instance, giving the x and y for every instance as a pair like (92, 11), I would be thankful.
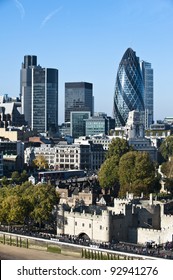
(49, 16)
(20, 7)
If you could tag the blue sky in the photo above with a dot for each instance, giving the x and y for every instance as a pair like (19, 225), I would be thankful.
(85, 40)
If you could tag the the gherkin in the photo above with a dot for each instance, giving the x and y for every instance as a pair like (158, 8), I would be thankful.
(129, 89)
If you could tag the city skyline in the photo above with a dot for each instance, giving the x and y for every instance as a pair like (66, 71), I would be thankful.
(85, 42)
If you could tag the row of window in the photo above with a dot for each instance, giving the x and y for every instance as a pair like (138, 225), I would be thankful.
(83, 224)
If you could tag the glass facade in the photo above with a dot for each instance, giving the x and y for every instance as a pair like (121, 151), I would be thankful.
(78, 97)
(77, 120)
(147, 73)
(39, 95)
(129, 89)
(95, 126)
(38, 100)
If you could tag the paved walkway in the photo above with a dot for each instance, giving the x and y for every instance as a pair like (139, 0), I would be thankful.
(15, 253)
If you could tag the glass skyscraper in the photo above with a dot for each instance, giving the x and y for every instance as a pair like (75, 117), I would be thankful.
(78, 97)
(147, 73)
(39, 95)
(131, 90)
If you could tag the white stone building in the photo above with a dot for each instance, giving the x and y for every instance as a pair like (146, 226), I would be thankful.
(129, 220)
(74, 156)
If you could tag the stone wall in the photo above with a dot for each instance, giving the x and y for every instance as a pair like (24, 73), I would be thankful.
(159, 236)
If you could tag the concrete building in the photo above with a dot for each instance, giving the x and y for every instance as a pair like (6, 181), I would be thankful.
(10, 114)
(134, 131)
(87, 156)
(13, 155)
(158, 132)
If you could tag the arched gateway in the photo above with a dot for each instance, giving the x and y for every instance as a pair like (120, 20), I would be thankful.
(84, 236)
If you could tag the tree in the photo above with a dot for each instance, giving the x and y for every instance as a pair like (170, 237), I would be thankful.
(4, 181)
(43, 199)
(41, 162)
(15, 177)
(166, 148)
(24, 176)
(108, 174)
(137, 174)
(167, 168)
(169, 185)
(118, 147)
(27, 204)
(13, 209)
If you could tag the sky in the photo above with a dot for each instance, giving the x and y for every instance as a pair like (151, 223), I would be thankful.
(85, 40)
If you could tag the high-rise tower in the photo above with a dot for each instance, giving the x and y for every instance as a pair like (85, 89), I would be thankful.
(147, 73)
(129, 89)
(39, 95)
(78, 97)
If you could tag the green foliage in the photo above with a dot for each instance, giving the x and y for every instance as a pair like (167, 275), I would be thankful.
(43, 200)
(117, 148)
(136, 173)
(167, 168)
(4, 181)
(15, 177)
(169, 185)
(166, 148)
(27, 203)
(108, 174)
(24, 176)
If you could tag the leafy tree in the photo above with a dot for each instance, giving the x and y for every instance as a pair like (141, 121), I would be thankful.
(108, 174)
(166, 148)
(41, 162)
(169, 185)
(167, 168)
(15, 176)
(118, 147)
(137, 174)
(4, 181)
(24, 176)
(13, 209)
(27, 203)
(44, 198)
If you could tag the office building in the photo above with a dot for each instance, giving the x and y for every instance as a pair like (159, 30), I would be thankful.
(100, 123)
(147, 73)
(78, 97)
(39, 95)
(77, 123)
(133, 90)
(10, 112)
